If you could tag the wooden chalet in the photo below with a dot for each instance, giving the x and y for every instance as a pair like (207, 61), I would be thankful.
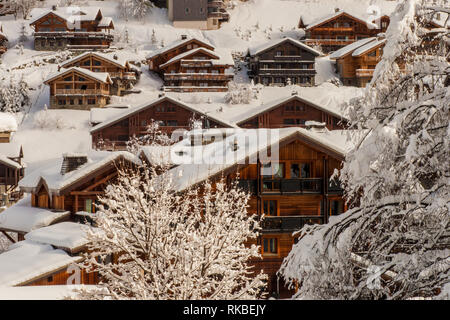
(171, 115)
(290, 192)
(283, 62)
(121, 72)
(292, 111)
(340, 29)
(197, 14)
(3, 40)
(8, 125)
(192, 66)
(72, 28)
(79, 88)
(356, 62)
(11, 172)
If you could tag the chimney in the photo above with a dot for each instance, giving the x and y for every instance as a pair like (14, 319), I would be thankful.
(54, 7)
(115, 57)
(161, 95)
(336, 10)
(72, 162)
(235, 145)
(294, 93)
(183, 37)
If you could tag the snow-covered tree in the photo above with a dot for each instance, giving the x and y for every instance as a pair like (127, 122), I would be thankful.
(154, 40)
(23, 6)
(239, 93)
(154, 136)
(134, 8)
(23, 33)
(13, 95)
(394, 242)
(172, 246)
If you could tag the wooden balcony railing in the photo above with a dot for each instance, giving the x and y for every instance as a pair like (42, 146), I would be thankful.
(288, 223)
(333, 29)
(80, 92)
(124, 75)
(189, 63)
(284, 72)
(74, 34)
(290, 186)
(364, 73)
(197, 76)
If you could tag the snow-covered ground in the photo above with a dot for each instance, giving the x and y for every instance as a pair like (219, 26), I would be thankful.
(252, 23)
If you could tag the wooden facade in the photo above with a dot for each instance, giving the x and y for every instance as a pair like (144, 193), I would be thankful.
(342, 29)
(11, 172)
(3, 40)
(357, 69)
(57, 31)
(75, 88)
(121, 73)
(191, 65)
(294, 191)
(293, 112)
(61, 277)
(286, 62)
(171, 114)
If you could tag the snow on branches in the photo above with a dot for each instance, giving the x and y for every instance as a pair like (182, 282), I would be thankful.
(395, 242)
(239, 93)
(172, 246)
(13, 95)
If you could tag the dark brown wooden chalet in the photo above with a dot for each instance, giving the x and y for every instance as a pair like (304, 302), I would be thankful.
(171, 115)
(3, 40)
(283, 62)
(11, 172)
(356, 62)
(122, 74)
(191, 65)
(293, 111)
(291, 192)
(72, 28)
(78, 88)
(337, 30)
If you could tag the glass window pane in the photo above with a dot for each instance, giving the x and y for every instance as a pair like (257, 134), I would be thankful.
(266, 245)
(295, 171)
(88, 205)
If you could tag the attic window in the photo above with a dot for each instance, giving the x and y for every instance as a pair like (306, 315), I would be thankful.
(87, 63)
(81, 79)
(97, 63)
(68, 79)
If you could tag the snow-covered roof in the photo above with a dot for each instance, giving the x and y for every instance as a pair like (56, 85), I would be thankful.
(267, 45)
(26, 261)
(368, 47)
(273, 104)
(22, 217)
(350, 48)
(105, 22)
(121, 62)
(174, 45)
(127, 113)
(8, 122)
(221, 57)
(70, 14)
(335, 15)
(99, 115)
(69, 236)
(100, 76)
(210, 160)
(60, 292)
(55, 181)
(10, 163)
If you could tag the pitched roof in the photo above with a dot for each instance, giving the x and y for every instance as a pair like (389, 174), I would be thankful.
(225, 58)
(50, 174)
(334, 15)
(8, 122)
(26, 261)
(265, 46)
(368, 47)
(99, 76)
(219, 157)
(10, 163)
(70, 14)
(175, 45)
(344, 51)
(144, 106)
(121, 62)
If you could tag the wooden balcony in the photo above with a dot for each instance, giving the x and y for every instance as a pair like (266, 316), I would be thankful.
(364, 73)
(216, 4)
(124, 75)
(195, 89)
(283, 59)
(74, 34)
(329, 42)
(189, 63)
(80, 92)
(333, 29)
(287, 72)
(288, 223)
(197, 76)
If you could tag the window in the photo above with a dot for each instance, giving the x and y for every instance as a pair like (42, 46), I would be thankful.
(61, 102)
(88, 206)
(293, 122)
(87, 63)
(50, 279)
(203, 84)
(272, 173)
(336, 207)
(300, 170)
(384, 24)
(72, 102)
(122, 138)
(81, 79)
(187, 10)
(278, 53)
(172, 123)
(373, 53)
(97, 63)
(80, 101)
(270, 246)
(143, 123)
(270, 207)
(91, 101)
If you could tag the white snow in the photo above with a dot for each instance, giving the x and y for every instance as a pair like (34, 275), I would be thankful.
(350, 48)
(8, 122)
(269, 44)
(100, 76)
(368, 47)
(41, 292)
(27, 260)
(22, 217)
(64, 235)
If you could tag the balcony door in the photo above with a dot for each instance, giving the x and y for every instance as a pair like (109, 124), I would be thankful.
(272, 174)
